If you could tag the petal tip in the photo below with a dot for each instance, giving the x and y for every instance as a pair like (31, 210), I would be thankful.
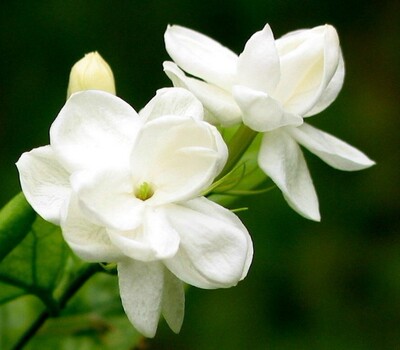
(267, 28)
(311, 213)
(369, 163)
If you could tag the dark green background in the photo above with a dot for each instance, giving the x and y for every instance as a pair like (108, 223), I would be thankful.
(332, 285)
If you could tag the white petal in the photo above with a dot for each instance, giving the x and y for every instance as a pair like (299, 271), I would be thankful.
(155, 239)
(133, 244)
(161, 236)
(45, 183)
(141, 289)
(92, 129)
(215, 250)
(201, 56)
(173, 302)
(107, 198)
(281, 159)
(217, 101)
(223, 215)
(331, 91)
(258, 65)
(89, 241)
(172, 101)
(332, 54)
(309, 59)
(330, 149)
(178, 157)
(260, 111)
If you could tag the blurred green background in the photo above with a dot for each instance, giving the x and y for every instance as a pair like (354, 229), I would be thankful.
(328, 285)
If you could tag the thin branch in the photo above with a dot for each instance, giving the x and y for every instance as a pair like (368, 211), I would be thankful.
(32, 330)
(83, 275)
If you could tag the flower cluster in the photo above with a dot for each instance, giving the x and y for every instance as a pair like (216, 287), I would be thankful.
(129, 188)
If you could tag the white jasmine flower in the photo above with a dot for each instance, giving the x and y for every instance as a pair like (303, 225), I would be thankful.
(126, 188)
(271, 86)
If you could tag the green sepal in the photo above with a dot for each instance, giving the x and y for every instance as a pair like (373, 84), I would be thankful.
(238, 210)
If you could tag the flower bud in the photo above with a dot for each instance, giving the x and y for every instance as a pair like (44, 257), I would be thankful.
(91, 73)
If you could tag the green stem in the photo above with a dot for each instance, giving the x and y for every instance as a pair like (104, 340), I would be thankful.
(237, 146)
(83, 275)
(32, 330)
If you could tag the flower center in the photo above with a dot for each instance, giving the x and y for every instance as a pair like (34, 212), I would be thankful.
(144, 191)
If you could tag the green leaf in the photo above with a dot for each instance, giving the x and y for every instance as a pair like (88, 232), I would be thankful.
(9, 292)
(36, 265)
(93, 319)
(15, 317)
(16, 219)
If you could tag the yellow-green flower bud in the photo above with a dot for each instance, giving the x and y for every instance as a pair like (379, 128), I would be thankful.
(91, 73)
